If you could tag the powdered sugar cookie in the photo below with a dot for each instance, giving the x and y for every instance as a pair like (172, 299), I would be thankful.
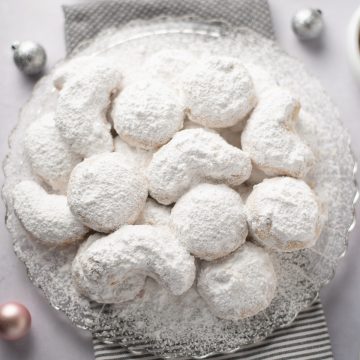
(49, 155)
(191, 157)
(218, 91)
(284, 214)
(240, 285)
(113, 270)
(104, 192)
(210, 221)
(46, 216)
(270, 138)
(147, 114)
(84, 99)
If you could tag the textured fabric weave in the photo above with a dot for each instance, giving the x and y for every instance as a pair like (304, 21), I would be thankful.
(307, 338)
(84, 21)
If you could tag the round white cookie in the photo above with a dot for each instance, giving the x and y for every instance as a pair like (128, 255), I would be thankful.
(239, 285)
(147, 114)
(284, 214)
(105, 192)
(218, 91)
(210, 221)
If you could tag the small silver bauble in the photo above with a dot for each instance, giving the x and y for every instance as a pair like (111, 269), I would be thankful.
(29, 57)
(308, 23)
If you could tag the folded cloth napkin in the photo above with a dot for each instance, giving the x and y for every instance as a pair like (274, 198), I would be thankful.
(84, 21)
(307, 337)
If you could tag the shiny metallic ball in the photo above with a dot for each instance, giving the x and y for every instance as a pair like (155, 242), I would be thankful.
(308, 23)
(29, 57)
(15, 321)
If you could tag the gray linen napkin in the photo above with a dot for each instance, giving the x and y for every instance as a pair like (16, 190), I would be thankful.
(307, 337)
(84, 21)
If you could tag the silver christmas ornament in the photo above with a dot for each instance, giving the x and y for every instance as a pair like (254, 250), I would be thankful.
(29, 57)
(308, 23)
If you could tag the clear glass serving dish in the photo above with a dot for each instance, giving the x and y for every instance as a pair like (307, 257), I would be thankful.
(183, 326)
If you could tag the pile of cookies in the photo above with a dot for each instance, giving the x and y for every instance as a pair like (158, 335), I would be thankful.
(147, 171)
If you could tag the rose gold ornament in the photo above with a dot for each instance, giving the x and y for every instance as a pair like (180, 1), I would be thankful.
(15, 321)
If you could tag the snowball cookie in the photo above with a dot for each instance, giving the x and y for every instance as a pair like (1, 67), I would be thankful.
(84, 99)
(239, 285)
(105, 193)
(270, 137)
(194, 156)
(154, 214)
(147, 114)
(46, 216)
(210, 221)
(284, 214)
(218, 91)
(113, 269)
(49, 155)
(139, 158)
(168, 64)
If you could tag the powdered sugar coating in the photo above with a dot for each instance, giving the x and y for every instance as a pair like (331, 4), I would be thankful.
(210, 221)
(270, 138)
(154, 214)
(218, 91)
(104, 192)
(284, 214)
(240, 285)
(147, 114)
(113, 269)
(50, 156)
(46, 216)
(168, 64)
(83, 102)
(137, 157)
(68, 70)
(191, 157)
(262, 79)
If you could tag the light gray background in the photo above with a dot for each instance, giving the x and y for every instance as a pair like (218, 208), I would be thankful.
(52, 336)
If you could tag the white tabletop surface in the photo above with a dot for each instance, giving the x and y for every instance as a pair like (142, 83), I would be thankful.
(52, 336)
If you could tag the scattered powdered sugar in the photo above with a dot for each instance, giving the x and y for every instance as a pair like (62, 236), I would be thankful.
(210, 221)
(46, 216)
(168, 64)
(270, 137)
(154, 214)
(113, 269)
(83, 101)
(147, 114)
(50, 156)
(104, 192)
(191, 157)
(284, 214)
(218, 91)
(240, 285)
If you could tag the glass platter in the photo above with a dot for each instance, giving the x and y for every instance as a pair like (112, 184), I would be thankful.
(144, 325)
